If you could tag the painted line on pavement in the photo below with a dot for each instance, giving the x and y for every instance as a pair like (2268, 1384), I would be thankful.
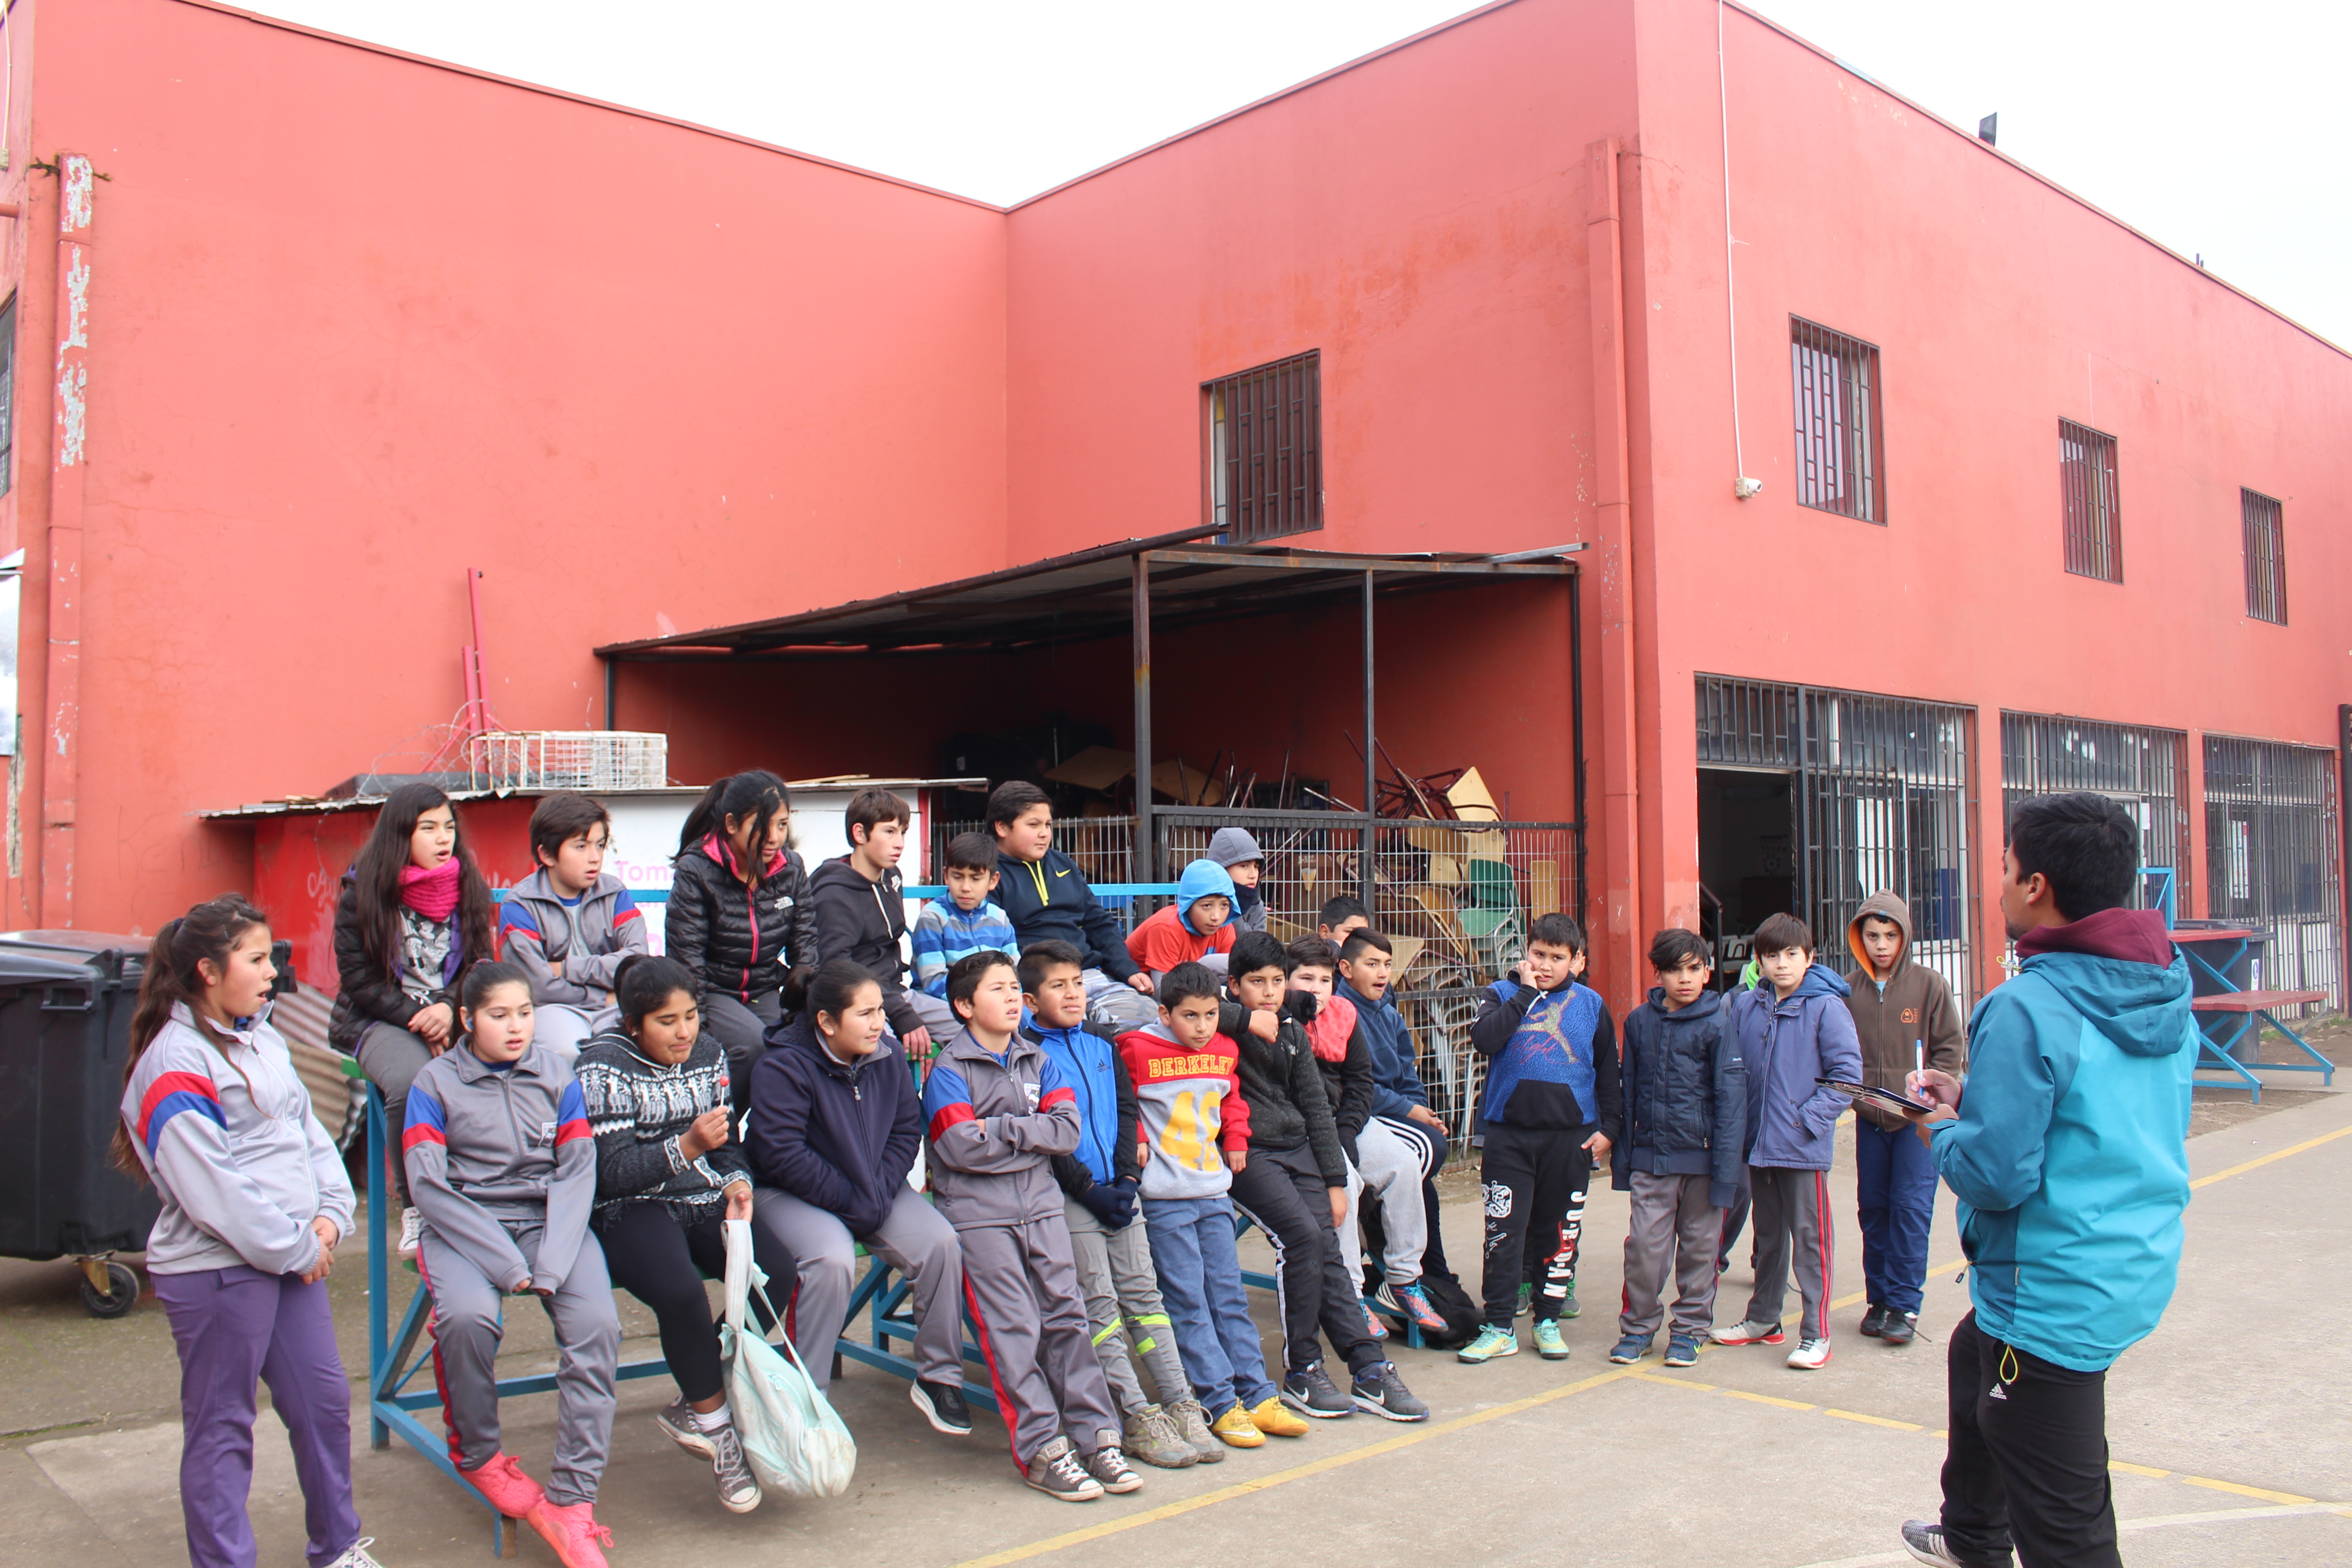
(2155, 1521)
(1407, 1440)
(2266, 1159)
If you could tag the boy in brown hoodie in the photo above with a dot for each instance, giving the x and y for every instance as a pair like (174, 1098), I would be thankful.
(1906, 1018)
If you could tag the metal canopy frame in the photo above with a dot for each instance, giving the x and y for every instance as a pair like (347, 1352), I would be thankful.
(1173, 580)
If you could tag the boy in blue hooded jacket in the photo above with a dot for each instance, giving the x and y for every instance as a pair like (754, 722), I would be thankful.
(1794, 1030)
(2067, 1152)
(1196, 928)
(1100, 1181)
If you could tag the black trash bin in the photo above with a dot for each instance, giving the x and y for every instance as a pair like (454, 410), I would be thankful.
(66, 999)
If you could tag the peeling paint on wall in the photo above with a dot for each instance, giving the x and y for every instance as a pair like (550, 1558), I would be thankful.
(73, 375)
(74, 191)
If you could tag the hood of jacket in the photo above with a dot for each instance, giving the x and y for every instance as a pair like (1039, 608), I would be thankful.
(1202, 880)
(722, 852)
(1819, 981)
(2135, 936)
(2139, 1008)
(1884, 907)
(1233, 846)
(1709, 1004)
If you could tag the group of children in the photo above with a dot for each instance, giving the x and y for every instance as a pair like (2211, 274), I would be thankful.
(1095, 1111)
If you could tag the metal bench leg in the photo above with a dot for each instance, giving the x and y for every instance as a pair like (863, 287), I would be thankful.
(2224, 1054)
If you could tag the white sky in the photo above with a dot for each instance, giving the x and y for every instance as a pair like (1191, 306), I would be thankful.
(2205, 126)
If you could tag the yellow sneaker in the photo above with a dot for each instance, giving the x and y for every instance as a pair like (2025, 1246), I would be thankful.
(1276, 1420)
(1236, 1429)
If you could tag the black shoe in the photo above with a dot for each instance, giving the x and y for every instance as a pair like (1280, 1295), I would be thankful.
(942, 1405)
(1311, 1393)
(1380, 1390)
(1874, 1321)
(1900, 1328)
(1926, 1543)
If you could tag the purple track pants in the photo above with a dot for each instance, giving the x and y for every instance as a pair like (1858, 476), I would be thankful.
(236, 1328)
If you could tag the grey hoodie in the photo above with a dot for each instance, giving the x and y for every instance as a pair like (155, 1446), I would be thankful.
(492, 1147)
(225, 1130)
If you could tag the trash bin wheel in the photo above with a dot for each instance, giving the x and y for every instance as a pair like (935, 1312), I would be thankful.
(120, 1295)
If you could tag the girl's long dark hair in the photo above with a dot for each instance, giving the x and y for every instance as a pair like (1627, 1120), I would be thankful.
(376, 873)
(208, 930)
(756, 793)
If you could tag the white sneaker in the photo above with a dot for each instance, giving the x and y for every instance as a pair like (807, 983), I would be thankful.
(412, 1232)
(1811, 1355)
(355, 1555)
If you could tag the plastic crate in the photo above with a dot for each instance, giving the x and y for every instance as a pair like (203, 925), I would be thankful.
(571, 759)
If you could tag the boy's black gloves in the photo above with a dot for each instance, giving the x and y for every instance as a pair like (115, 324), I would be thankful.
(1299, 1006)
(1113, 1202)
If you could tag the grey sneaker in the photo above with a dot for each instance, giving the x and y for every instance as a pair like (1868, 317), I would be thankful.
(679, 1421)
(1054, 1470)
(1152, 1436)
(355, 1555)
(412, 1237)
(1193, 1424)
(738, 1488)
(1924, 1541)
(1311, 1393)
(1380, 1390)
(1109, 1467)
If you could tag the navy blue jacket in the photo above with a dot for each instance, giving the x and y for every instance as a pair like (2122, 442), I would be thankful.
(1791, 1121)
(1049, 901)
(1685, 1091)
(841, 1137)
(1551, 1059)
(1396, 1086)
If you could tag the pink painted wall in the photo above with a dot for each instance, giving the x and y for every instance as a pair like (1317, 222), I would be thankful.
(360, 322)
(2000, 305)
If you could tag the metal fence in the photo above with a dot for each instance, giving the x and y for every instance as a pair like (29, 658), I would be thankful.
(2141, 768)
(1456, 897)
(1886, 802)
(2273, 858)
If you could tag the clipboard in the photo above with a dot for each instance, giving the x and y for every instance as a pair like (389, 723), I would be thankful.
(1886, 1096)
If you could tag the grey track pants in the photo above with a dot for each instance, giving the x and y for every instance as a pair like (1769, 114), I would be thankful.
(1123, 1291)
(468, 1324)
(392, 1057)
(1023, 1290)
(1793, 1234)
(913, 1239)
(1671, 1227)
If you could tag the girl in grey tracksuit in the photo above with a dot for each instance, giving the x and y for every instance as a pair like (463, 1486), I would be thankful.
(503, 1167)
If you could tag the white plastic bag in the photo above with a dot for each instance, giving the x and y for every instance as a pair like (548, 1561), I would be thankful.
(789, 1430)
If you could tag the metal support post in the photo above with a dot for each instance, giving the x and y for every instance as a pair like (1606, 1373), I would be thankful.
(1146, 859)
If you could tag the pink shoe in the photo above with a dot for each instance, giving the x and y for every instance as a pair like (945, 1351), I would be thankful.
(573, 1531)
(510, 1492)
(1374, 1325)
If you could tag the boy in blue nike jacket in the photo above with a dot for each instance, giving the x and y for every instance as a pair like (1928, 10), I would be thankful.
(1550, 1109)
(1100, 1181)
(2067, 1154)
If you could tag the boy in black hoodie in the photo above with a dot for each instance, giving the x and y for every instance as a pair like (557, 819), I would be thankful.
(861, 907)
(1685, 1096)
(1047, 897)
(1294, 1188)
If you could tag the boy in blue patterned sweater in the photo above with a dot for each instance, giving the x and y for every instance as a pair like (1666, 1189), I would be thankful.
(956, 927)
(1551, 1111)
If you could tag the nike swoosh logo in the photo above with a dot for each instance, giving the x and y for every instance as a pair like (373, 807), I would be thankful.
(1060, 873)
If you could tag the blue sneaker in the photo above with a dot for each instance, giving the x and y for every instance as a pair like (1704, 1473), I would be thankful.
(1681, 1350)
(1491, 1343)
(1631, 1349)
(1549, 1344)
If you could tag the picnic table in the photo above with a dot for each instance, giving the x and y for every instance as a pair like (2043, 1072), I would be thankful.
(2214, 951)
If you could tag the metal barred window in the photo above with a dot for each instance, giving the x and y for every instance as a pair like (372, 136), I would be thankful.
(2144, 770)
(1265, 451)
(2265, 558)
(2274, 858)
(1840, 465)
(1884, 802)
(2087, 477)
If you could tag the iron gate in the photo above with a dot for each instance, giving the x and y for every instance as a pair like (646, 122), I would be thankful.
(2272, 857)
(2141, 768)
(1884, 802)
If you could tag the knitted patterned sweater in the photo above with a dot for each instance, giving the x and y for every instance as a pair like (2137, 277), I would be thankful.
(638, 1111)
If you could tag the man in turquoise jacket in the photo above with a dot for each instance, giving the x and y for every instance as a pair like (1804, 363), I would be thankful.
(2066, 1148)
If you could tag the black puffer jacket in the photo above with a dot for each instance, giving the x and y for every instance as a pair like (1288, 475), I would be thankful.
(740, 940)
(1282, 1084)
(365, 994)
(1685, 1096)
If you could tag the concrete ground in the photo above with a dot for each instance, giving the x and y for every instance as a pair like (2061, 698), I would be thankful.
(2231, 1427)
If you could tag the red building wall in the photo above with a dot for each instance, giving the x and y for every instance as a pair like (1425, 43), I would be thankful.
(360, 322)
